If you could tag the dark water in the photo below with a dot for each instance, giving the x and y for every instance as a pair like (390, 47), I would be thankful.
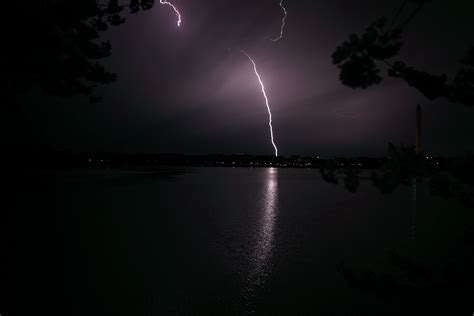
(208, 241)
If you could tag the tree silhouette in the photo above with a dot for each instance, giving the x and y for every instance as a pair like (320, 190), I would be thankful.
(359, 59)
(55, 45)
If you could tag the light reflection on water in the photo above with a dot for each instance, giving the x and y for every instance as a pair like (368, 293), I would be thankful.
(263, 241)
(414, 211)
(260, 258)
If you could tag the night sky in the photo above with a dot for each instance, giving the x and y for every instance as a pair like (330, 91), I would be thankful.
(191, 90)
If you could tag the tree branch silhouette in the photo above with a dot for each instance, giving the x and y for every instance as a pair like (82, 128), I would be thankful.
(55, 46)
(359, 56)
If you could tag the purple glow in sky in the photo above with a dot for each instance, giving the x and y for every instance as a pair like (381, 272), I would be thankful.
(189, 89)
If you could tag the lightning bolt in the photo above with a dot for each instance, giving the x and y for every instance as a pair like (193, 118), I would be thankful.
(175, 10)
(283, 21)
(266, 100)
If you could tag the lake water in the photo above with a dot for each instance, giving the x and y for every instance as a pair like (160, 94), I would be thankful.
(208, 240)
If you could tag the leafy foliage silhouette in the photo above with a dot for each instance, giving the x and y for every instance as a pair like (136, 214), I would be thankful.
(55, 45)
(454, 180)
(359, 59)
